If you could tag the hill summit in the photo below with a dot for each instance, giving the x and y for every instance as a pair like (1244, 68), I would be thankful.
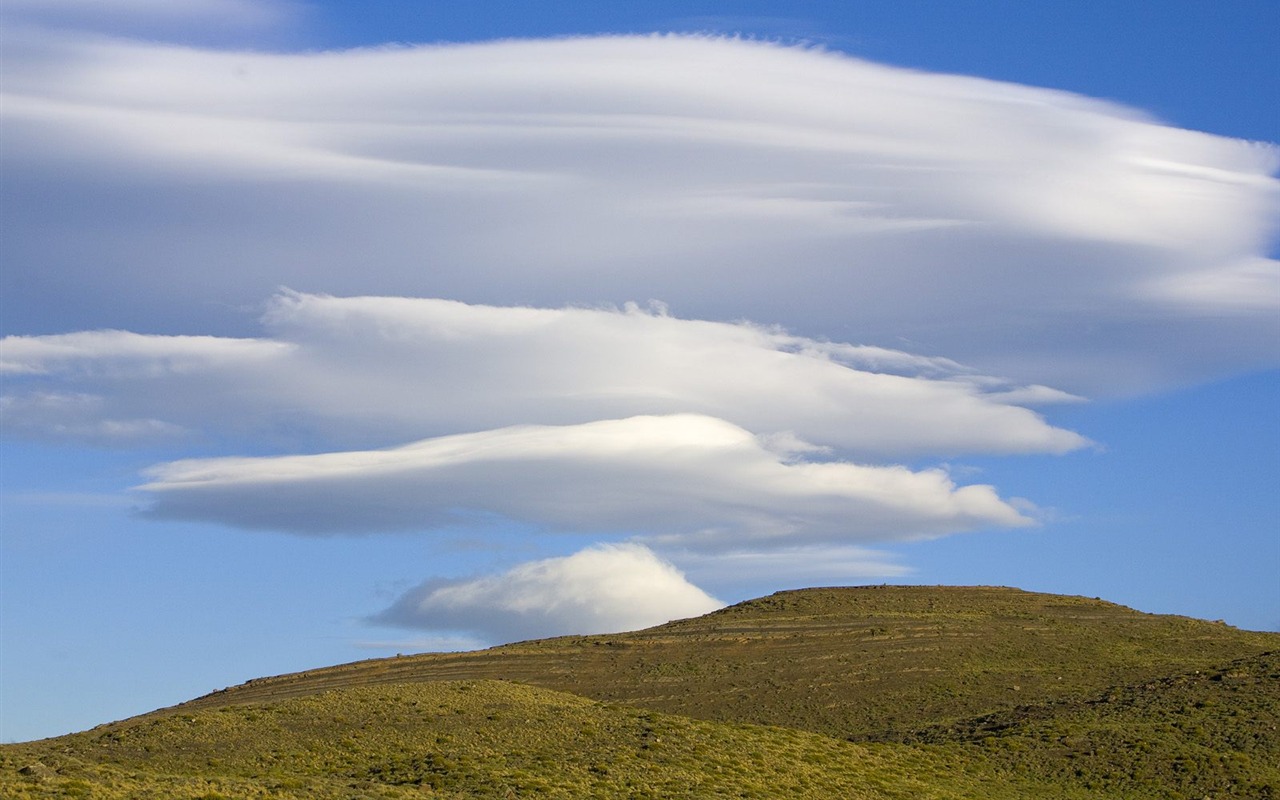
(853, 662)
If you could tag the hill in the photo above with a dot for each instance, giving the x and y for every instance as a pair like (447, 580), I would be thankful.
(862, 663)
(1208, 733)
(855, 692)
(474, 739)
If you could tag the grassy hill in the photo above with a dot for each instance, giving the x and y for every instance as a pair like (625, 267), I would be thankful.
(859, 663)
(1208, 733)
(873, 692)
(475, 739)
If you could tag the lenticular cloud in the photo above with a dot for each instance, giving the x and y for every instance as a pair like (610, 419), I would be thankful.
(924, 259)
(1035, 234)
(386, 370)
(602, 589)
(683, 479)
(690, 434)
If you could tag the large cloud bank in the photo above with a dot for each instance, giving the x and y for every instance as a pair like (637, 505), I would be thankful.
(622, 422)
(1030, 233)
(740, 449)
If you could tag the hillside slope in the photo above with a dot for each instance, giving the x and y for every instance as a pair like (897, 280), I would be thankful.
(1207, 733)
(871, 692)
(860, 663)
(479, 739)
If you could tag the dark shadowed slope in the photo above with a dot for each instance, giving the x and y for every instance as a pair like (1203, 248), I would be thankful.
(1207, 733)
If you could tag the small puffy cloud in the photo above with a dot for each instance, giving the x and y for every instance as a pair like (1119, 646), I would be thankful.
(683, 479)
(386, 369)
(603, 589)
(78, 418)
(1034, 234)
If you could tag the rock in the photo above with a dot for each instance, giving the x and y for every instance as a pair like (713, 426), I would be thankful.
(37, 771)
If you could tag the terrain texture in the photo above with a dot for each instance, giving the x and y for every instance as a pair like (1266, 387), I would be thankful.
(865, 692)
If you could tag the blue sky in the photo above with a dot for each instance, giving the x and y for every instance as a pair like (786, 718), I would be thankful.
(1020, 327)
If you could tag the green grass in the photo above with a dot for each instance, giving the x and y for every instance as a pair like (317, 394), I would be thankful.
(1209, 733)
(477, 739)
(853, 663)
(875, 692)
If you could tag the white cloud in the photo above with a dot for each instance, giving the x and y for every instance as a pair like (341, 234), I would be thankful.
(129, 355)
(683, 479)
(1251, 285)
(148, 18)
(603, 589)
(797, 566)
(386, 369)
(1031, 233)
(1051, 239)
(78, 417)
(695, 436)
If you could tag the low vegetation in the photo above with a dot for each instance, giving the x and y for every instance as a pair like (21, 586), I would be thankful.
(472, 739)
(1209, 733)
(873, 692)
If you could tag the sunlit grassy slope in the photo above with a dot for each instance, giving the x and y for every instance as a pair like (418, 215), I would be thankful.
(475, 738)
(859, 692)
(861, 663)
